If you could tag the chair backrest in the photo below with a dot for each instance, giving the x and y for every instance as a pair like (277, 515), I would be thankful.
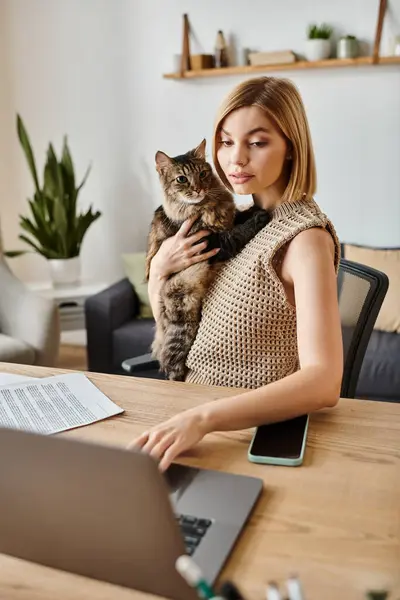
(361, 291)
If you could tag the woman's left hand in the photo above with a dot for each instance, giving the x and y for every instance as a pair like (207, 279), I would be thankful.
(166, 441)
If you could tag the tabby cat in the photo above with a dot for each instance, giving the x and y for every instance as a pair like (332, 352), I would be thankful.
(191, 189)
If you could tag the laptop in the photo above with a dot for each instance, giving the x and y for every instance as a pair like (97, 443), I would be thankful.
(108, 513)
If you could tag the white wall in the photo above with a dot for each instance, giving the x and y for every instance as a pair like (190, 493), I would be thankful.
(93, 69)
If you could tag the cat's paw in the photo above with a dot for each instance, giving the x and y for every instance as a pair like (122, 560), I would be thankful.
(177, 375)
(174, 372)
(261, 218)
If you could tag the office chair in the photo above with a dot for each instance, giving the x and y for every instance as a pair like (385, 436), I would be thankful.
(361, 291)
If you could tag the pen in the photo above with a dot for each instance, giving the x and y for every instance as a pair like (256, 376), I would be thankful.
(294, 588)
(192, 574)
(229, 591)
(273, 592)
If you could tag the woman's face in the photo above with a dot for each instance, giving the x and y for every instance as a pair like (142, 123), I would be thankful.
(252, 153)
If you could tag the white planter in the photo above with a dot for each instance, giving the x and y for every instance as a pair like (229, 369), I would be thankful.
(65, 271)
(317, 49)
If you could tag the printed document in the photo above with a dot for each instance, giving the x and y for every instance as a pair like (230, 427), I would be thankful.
(52, 404)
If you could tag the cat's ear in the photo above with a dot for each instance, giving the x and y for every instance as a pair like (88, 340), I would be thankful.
(200, 151)
(162, 160)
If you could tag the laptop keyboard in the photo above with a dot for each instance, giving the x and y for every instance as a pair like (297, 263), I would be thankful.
(193, 531)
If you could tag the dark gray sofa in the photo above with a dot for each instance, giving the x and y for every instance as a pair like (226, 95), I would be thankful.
(380, 373)
(114, 331)
(115, 334)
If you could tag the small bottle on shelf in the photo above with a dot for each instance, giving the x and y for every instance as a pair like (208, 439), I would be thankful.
(221, 51)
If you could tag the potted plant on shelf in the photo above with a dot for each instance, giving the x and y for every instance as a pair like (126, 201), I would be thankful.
(318, 44)
(55, 228)
(347, 47)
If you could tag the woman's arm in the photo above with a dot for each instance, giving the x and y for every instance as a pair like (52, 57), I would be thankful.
(175, 254)
(309, 268)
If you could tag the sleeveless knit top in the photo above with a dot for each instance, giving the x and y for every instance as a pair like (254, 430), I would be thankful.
(247, 333)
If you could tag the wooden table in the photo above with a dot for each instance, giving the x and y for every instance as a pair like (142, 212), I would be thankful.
(335, 521)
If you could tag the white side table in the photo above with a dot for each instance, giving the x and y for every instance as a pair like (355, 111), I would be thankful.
(70, 301)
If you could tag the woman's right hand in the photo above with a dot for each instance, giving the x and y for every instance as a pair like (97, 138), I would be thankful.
(179, 251)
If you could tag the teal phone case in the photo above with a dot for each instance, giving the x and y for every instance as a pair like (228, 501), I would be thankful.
(273, 460)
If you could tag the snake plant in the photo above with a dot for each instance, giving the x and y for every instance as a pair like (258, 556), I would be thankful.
(55, 227)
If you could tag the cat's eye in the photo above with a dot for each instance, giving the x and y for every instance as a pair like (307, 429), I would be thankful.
(181, 179)
(203, 174)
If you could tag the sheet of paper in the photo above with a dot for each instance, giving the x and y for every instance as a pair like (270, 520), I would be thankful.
(8, 378)
(54, 404)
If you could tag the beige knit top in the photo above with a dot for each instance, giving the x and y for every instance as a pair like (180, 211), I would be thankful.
(247, 333)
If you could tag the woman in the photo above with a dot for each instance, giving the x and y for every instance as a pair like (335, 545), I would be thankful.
(270, 322)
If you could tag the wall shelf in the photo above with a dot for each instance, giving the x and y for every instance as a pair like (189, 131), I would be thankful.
(295, 66)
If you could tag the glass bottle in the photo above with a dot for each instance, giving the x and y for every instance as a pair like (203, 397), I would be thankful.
(221, 51)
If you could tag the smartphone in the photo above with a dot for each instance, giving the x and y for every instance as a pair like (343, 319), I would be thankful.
(281, 443)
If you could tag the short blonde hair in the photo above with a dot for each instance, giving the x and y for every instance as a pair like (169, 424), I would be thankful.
(282, 102)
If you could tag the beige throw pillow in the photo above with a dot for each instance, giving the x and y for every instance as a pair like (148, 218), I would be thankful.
(134, 267)
(387, 261)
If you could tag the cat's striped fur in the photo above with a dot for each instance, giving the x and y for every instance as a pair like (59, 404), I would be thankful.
(191, 189)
